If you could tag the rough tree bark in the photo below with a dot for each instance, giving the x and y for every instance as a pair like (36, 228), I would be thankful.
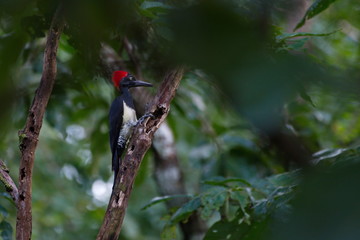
(30, 134)
(139, 144)
(168, 173)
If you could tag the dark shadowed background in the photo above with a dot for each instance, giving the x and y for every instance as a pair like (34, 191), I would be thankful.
(265, 123)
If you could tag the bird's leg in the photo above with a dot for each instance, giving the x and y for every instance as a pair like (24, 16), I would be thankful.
(127, 129)
(124, 134)
(121, 141)
(142, 119)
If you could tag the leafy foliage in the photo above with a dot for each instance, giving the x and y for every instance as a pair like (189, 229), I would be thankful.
(242, 206)
(248, 82)
(317, 7)
(5, 227)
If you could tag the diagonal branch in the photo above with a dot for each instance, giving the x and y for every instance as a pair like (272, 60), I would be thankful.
(8, 182)
(163, 146)
(139, 144)
(30, 134)
(168, 173)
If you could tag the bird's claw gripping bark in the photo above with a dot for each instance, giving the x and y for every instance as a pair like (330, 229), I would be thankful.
(145, 116)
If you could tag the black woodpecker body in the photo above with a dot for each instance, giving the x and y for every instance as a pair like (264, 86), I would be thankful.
(122, 115)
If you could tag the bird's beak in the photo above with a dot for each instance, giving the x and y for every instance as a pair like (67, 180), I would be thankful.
(138, 83)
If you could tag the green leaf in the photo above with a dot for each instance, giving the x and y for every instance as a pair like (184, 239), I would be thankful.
(339, 157)
(3, 211)
(224, 230)
(243, 199)
(220, 181)
(306, 97)
(285, 179)
(301, 23)
(235, 230)
(157, 200)
(213, 200)
(154, 5)
(7, 197)
(286, 36)
(169, 233)
(297, 44)
(186, 210)
(317, 7)
(6, 230)
(147, 13)
(281, 198)
(328, 154)
(240, 196)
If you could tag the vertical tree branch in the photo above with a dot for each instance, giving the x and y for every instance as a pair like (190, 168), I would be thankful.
(138, 146)
(30, 134)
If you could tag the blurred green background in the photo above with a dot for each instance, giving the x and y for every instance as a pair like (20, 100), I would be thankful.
(265, 122)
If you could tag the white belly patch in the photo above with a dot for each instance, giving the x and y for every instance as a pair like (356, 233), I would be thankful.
(129, 121)
(129, 114)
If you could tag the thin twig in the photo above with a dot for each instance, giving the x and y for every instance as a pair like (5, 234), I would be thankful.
(8, 182)
(138, 146)
(30, 134)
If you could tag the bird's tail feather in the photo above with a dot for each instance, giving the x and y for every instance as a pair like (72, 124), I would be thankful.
(116, 162)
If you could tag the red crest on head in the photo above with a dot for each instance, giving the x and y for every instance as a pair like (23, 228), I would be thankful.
(117, 76)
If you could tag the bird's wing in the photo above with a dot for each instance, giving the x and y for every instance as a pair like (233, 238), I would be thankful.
(115, 119)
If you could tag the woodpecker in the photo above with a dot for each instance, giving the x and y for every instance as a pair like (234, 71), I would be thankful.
(122, 115)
